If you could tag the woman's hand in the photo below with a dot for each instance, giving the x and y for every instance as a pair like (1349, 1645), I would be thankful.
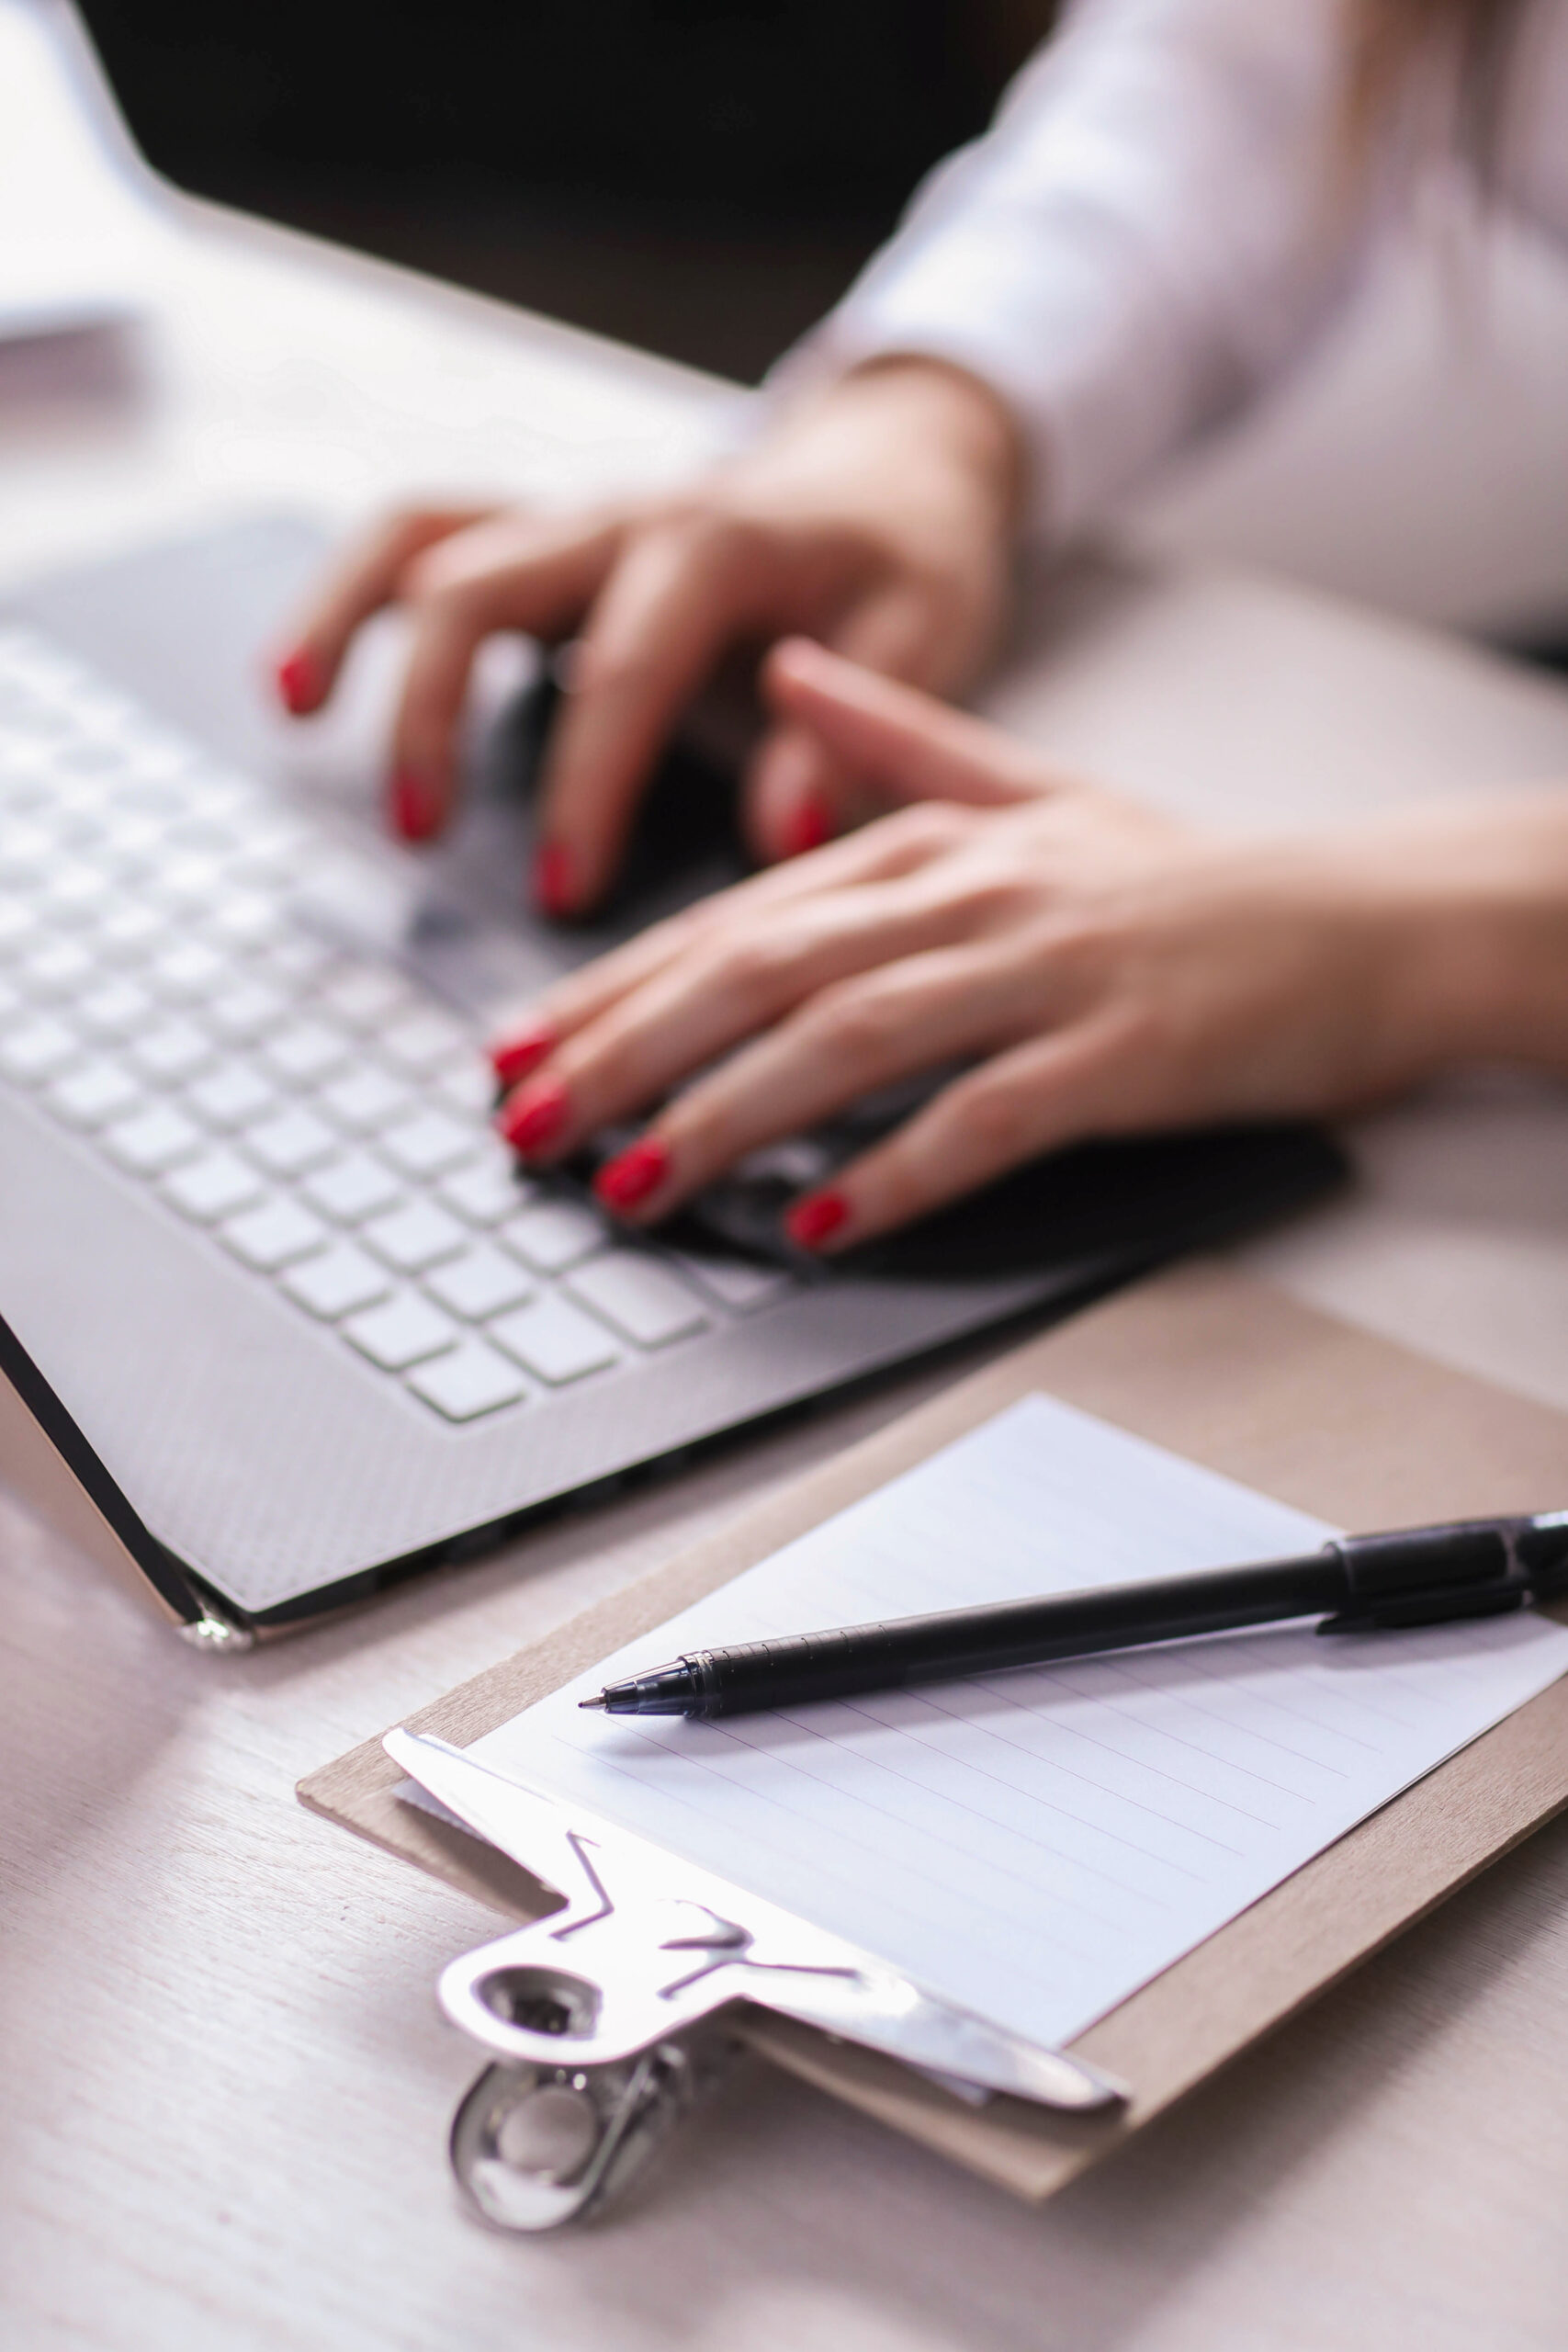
(1099, 968)
(878, 517)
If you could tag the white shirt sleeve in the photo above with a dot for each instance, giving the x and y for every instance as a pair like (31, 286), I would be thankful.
(1148, 235)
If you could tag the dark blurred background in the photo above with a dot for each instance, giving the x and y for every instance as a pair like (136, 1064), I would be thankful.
(701, 177)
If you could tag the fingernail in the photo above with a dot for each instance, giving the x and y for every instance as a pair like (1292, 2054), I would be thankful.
(552, 878)
(809, 826)
(415, 810)
(514, 1058)
(635, 1173)
(532, 1117)
(298, 682)
(813, 1219)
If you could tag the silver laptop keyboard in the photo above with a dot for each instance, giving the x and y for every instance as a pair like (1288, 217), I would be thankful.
(310, 1112)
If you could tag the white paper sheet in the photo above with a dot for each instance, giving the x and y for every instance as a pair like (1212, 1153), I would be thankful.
(1034, 1845)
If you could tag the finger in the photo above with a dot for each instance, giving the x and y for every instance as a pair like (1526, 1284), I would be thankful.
(906, 743)
(1053, 1091)
(533, 578)
(791, 794)
(869, 1031)
(895, 846)
(363, 578)
(663, 617)
(745, 982)
(797, 794)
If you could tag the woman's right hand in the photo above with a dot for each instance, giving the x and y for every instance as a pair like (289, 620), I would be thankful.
(878, 517)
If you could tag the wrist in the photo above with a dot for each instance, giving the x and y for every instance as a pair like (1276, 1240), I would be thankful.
(956, 418)
(1473, 905)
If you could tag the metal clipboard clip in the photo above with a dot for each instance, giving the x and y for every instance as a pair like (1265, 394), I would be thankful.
(606, 2019)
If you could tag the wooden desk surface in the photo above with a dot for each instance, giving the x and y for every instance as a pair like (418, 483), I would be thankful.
(226, 2087)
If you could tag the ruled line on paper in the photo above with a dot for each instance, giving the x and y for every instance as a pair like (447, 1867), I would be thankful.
(1036, 1843)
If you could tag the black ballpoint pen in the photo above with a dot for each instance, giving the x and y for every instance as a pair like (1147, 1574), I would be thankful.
(1418, 1576)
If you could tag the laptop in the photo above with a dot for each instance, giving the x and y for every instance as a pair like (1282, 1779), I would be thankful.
(281, 1321)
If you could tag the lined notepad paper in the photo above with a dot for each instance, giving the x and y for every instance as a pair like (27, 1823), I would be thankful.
(1034, 1845)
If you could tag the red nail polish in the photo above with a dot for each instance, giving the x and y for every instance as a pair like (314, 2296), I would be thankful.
(514, 1058)
(552, 878)
(532, 1117)
(635, 1173)
(808, 827)
(298, 682)
(813, 1219)
(414, 811)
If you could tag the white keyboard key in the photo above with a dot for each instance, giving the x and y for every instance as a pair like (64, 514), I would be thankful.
(556, 1234)
(130, 842)
(297, 958)
(471, 1380)
(173, 1050)
(157, 765)
(555, 1340)
(17, 924)
(272, 837)
(468, 1084)
(215, 1185)
(38, 1049)
(26, 850)
(275, 1235)
(306, 1050)
(406, 1331)
(248, 1012)
(738, 1282)
(93, 1092)
(150, 1141)
(190, 973)
(75, 892)
(204, 833)
(487, 1190)
(337, 1283)
(243, 918)
(291, 1142)
(640, 1297)
(482, 1282)
(129, 930)
(231, 1095)
(120, 1009)
(364, 997)
(415, 1237)
(426, 1144)
(58, 968)
(10, 1000)
(419, 1040)
(191, 882)
(365, 1099)
(352, 1187)
(219, 795)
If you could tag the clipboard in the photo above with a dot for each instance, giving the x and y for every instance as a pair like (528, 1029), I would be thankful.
(1237, 1376)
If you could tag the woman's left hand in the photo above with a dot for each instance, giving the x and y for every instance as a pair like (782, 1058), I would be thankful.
(1097, 968)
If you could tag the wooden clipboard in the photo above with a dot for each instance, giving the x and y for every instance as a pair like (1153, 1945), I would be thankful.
(1231, 1374)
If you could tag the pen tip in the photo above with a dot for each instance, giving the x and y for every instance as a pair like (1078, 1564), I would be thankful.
(597, 1700)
